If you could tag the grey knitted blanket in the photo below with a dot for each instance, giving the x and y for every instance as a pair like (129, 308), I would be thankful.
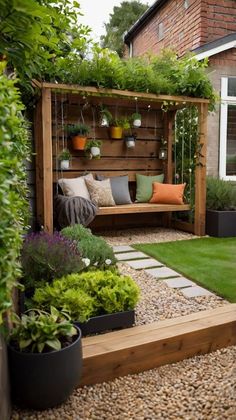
(71, 210)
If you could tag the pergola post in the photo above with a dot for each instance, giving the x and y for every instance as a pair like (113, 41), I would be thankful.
(169, 128)
(200, 172)
(43, 147)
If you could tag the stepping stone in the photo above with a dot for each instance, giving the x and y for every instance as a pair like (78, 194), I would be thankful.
(122, 248)
(179, 282)
(130, 256)
(139, 264)
(162, 272)
(196, 291)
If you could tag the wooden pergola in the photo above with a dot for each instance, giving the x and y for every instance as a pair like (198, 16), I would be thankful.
(45, 132)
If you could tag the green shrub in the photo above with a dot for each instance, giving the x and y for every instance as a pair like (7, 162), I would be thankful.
(14, 209)
(91, 247)
(88, 294)
(221, 195)
(76, 232)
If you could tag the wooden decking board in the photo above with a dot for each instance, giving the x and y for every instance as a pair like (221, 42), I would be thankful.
(149, 346)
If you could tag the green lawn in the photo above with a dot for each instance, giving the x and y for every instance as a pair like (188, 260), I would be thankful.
(210, 262)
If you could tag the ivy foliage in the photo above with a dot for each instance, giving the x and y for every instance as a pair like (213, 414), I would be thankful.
(89, 294)
(163, 74)
(14, 149)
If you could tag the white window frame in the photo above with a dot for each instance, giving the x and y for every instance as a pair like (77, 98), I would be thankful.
(225, 101)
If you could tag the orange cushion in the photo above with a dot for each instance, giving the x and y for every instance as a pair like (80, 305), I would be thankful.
(167, 193)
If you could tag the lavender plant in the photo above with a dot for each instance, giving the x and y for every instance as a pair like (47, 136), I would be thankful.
(45, 257)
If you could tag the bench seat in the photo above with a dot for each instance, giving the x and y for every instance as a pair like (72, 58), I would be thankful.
(142, 208)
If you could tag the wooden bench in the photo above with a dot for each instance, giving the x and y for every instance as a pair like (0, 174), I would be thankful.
(142, 208)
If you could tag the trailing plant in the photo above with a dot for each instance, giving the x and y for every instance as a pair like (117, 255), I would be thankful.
(14, 209)
(45, 257)
(39, 332)
(89, 294)
(221, 195)
(64, 155)
(78, 129)
(91, 247)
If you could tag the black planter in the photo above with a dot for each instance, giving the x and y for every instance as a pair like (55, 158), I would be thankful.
(106, 322)
(43, 380)
(221, 224)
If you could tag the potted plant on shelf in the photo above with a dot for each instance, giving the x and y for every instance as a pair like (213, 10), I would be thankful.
(64, 159)
(106, 117)
(136, 119)
(116, 128)
(93, 149)
(78, 133)
(221, 208)
(129, 137)
(45, 358)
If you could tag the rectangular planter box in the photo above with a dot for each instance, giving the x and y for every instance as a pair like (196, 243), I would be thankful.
(106, 322)
(221, 224)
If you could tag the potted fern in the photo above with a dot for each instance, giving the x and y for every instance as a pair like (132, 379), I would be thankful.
(221, 208)
(45, 358)
(64, 159)
(78, 133)
(93, 149)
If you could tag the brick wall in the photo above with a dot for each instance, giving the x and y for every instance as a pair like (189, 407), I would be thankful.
(186, 28)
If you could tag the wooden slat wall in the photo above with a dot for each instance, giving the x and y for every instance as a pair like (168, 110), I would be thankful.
(116, 158)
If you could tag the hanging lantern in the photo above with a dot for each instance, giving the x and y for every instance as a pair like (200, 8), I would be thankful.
(163, 153)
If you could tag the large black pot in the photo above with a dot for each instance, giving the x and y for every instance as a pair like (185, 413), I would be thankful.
(43, 380)
(221, 224)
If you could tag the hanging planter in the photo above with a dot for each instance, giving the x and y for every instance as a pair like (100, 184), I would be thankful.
(106, 117)
(93, 149)
(64, 159)
(78, 134)
(130, 141)
(136, 120)
(117, 127)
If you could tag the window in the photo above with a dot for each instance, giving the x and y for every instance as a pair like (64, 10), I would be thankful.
(160, 31)
(186, 4)
(228, 129)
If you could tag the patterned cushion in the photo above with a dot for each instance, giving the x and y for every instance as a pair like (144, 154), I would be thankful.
(100, 192)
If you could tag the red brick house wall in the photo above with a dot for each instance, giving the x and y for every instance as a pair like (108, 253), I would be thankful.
(186, 25)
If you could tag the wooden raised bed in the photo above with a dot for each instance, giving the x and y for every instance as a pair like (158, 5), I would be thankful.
(137, 349)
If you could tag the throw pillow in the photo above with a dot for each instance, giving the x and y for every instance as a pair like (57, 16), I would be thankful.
(119, 187)
(100, 192)
(167, 193)
(75, 187)
(144, 186)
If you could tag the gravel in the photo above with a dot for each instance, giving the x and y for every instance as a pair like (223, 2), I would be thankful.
(200, 388)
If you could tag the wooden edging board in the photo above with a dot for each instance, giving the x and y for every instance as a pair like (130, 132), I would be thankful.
(140, 348)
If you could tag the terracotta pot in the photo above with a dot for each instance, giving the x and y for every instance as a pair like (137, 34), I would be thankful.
(79, 142)
(116, 132)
